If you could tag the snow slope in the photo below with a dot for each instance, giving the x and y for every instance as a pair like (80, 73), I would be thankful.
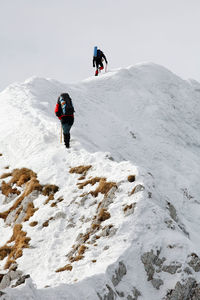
(142, 121)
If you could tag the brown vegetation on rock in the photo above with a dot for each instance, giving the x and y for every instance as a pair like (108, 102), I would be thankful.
(131, 178)
(45, 224)
(30, 211)
(34, 223)
(104, 187)
(127, 207)
(91, 181)
(68, 267)
(20, 240)
(50, 198)
(7, 189)
(60, 199)
(76, 258)
(137, 188)
(103, 215)
(5, 175)
(50, 189)
(82, 249)
(31, 185)
(80, 170)
(21, 176)
(4, 251)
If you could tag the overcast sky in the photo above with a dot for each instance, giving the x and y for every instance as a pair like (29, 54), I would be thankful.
(55, 38)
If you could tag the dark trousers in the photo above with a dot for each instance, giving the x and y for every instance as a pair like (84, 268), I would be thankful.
(98, 63)
(66, 125)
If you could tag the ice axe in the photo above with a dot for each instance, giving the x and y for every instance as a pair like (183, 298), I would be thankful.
(61, 133)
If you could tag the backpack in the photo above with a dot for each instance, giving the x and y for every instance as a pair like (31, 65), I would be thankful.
(99, 53)
(66, 107)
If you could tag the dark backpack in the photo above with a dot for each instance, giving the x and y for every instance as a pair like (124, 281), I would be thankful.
(65, 105)
(99, 54)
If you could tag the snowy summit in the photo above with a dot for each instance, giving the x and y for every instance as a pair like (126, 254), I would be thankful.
(117, 215)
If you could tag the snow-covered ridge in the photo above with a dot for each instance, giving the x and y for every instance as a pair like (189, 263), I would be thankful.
(147, 118)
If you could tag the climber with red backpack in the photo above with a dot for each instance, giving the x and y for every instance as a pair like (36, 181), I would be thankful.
(98, 58)
(64, 110)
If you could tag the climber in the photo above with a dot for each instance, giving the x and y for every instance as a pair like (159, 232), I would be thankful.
(64, 110)
(98, 58)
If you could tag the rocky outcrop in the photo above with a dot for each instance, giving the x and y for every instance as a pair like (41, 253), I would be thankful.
(187, 290)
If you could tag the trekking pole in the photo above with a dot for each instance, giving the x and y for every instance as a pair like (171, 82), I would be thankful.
(61, 134)
(106, 68)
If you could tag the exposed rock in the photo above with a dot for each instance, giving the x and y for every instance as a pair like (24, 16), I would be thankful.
(150, 260)
(129, 209)
(135, 295)
(5, 282)
(108, 198)
(119, 273)
(137, 188)
(172, 212)
(106, 248)
(21, 280)
(108, 231)
(59, 215)
(173, 215)
(157, 283)
(111, 295)
(188, 290)
(11, 275)
(170, 224)
(120, 294)
(187, 270)
(194, 263)
(171, 268)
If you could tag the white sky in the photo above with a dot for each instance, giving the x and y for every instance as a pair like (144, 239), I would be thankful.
(55, 38)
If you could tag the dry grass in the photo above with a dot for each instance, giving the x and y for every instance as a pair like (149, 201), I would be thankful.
(127, 207)
(50, 198)
(5, 175)
(4, 251)
(6, 167)
(104, 187)
(21, 176)
(103, 215)
(45, 224)
(18, 212)
(65, 268)
(50, 189)
(21, 241)
(60, 199)
(1, 154)
(82, 177)
(33, 224)
(30, 211)
(95, 226)
(136, 189)
(31, 185)
(9, 263)
(76, 258)
(86, 237)
(80, 170)
(92, 181)
(131, 178)
(7, 189)
(82, 249)
(94, 260)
